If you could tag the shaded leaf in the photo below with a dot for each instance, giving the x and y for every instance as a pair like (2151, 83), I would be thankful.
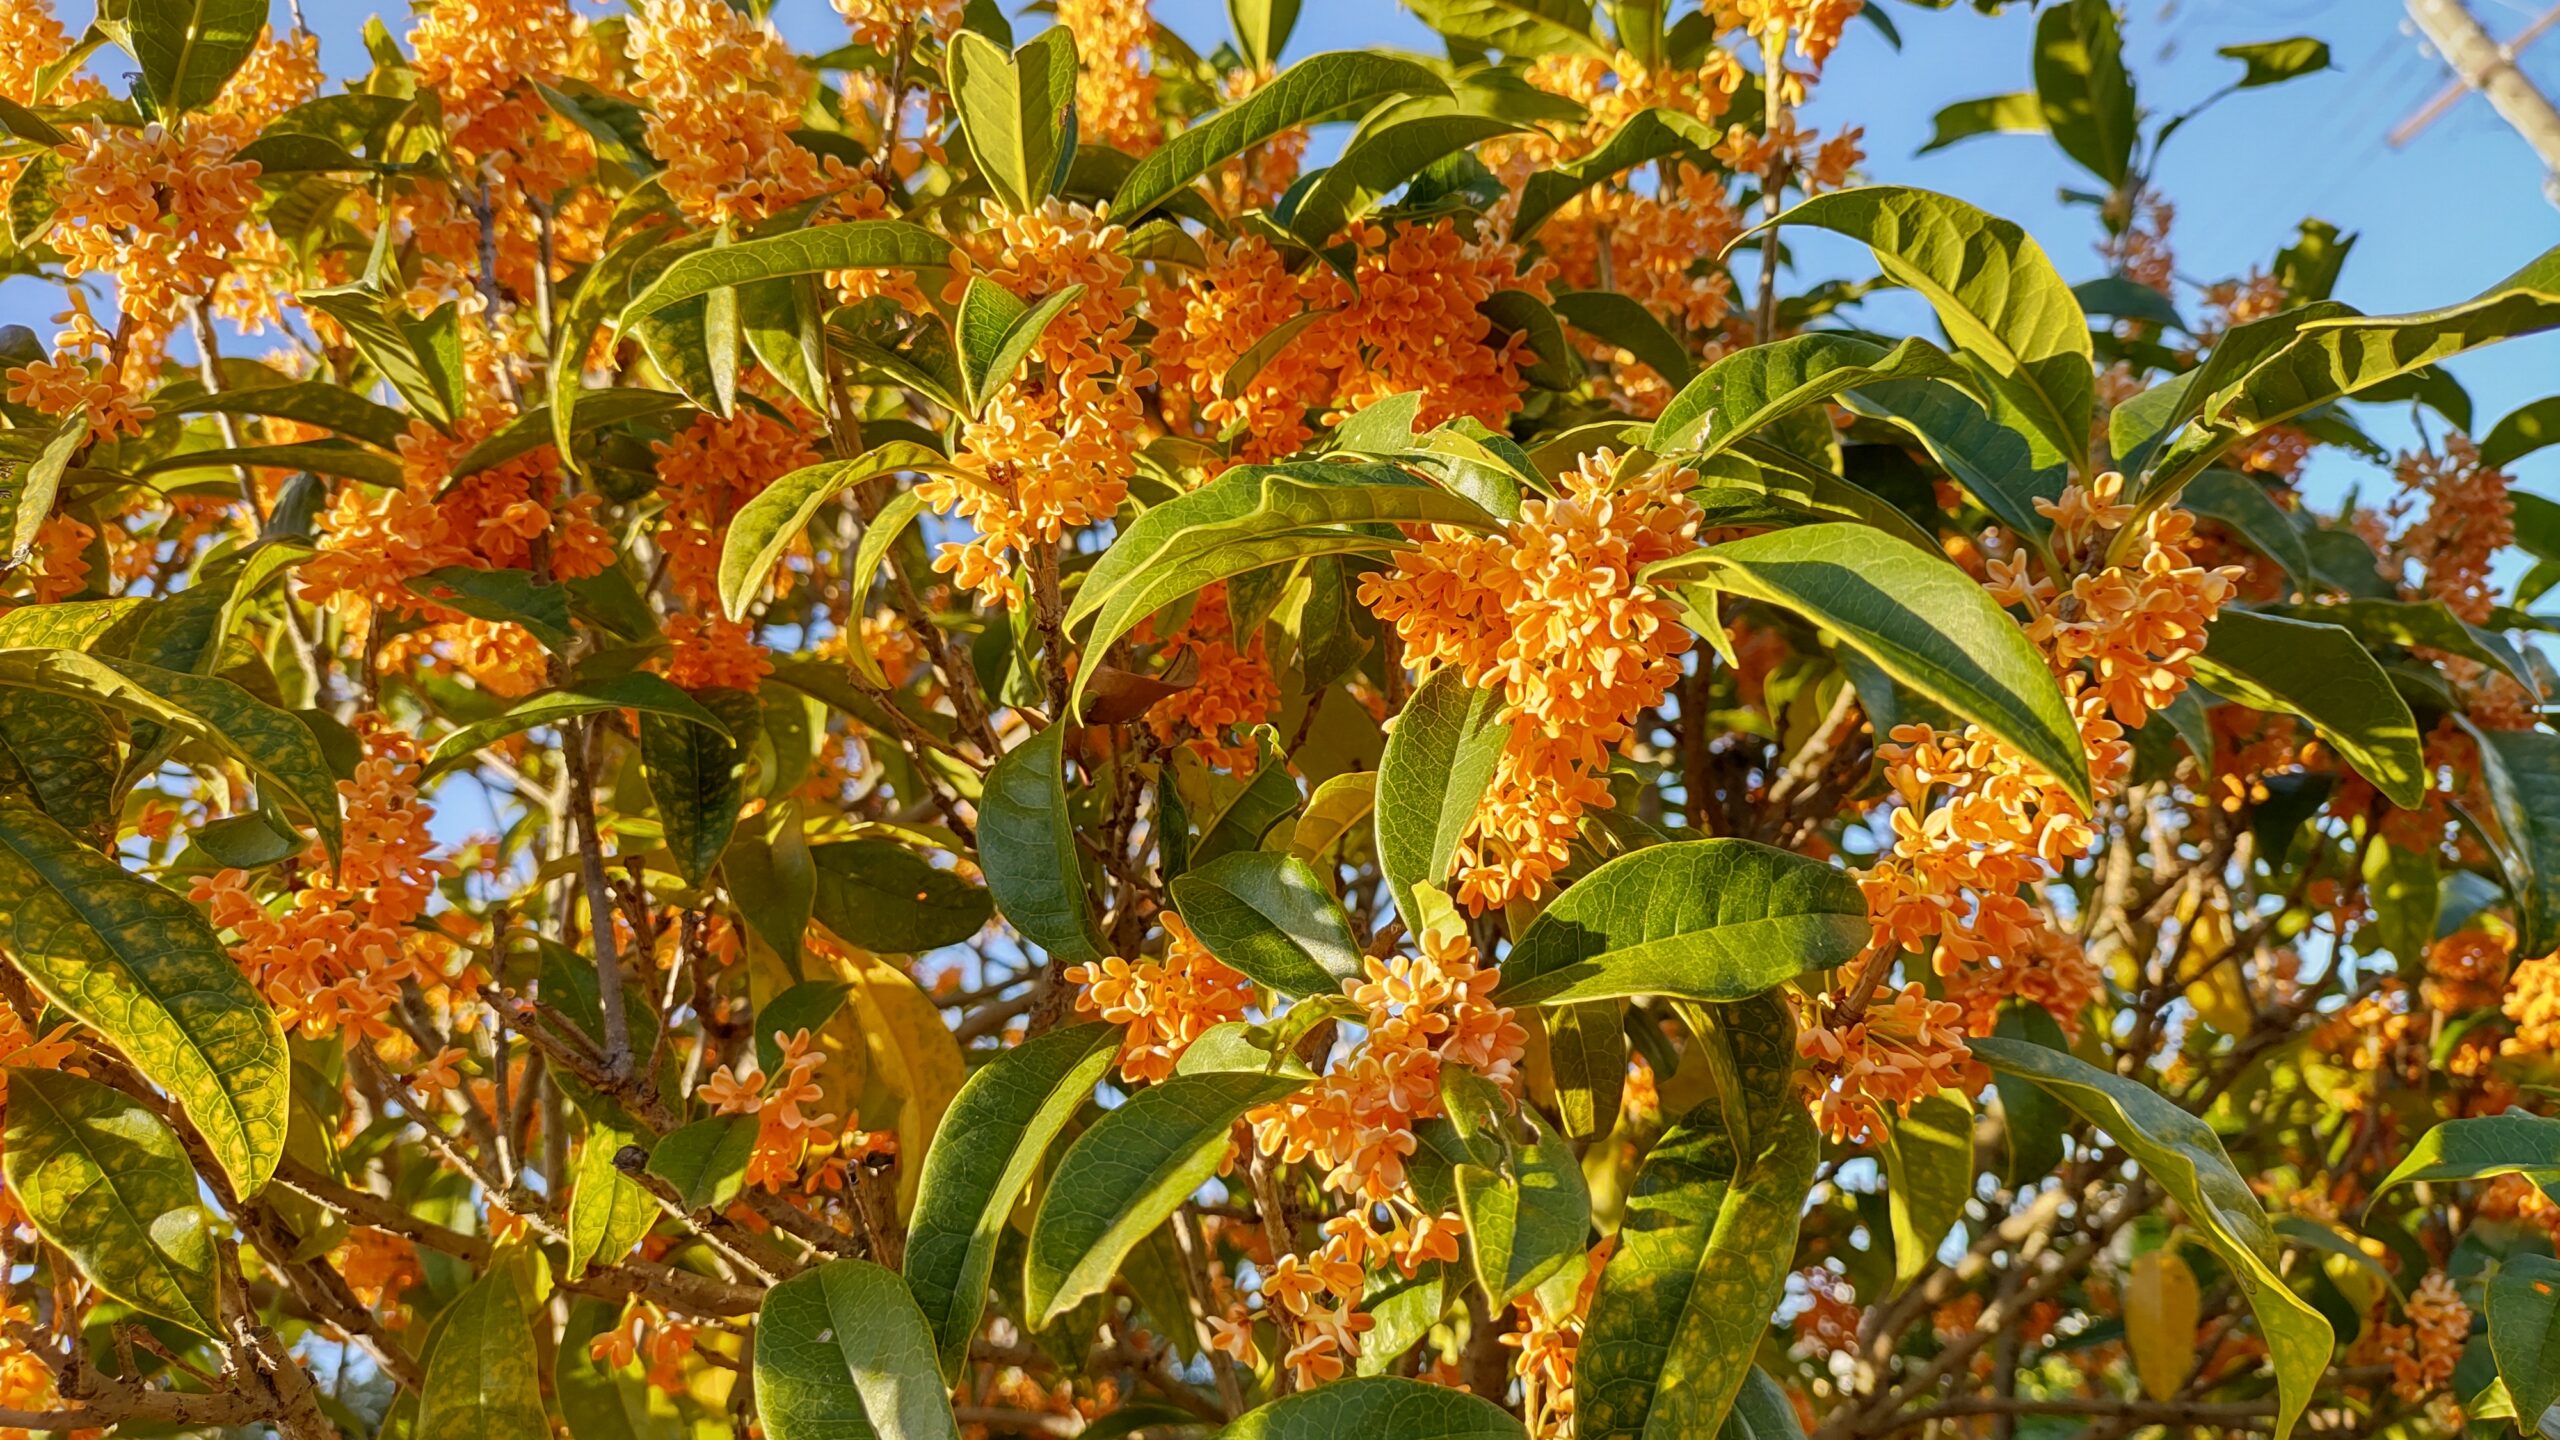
(1027, 847)
(1437, 766)
(853, 245)
(883, 896)
(1320, 87)
(483, 1376)
(1751, 388)
(843, 1354)
(767, 525)
(2321, 673)
(1377, 1405)
(635, 690)
(1269, 916)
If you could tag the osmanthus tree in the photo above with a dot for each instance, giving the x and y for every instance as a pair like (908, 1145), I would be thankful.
(1097, 780)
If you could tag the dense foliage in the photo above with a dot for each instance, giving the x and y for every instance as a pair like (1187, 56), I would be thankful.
(932, 740)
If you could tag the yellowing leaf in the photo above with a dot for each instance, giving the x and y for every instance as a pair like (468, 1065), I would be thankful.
(2161, 1307)
(914, 1064)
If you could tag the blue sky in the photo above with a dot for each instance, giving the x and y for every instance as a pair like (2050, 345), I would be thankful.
(2456, 210)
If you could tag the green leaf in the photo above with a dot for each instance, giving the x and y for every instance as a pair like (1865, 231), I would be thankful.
(388, 344)
(189, 48)
(1126, 1174)
(784, 332)
(853, 245)
(1018, 111)
(1376, 1405)
(1523, 1226)
(1928, 1165)
(2122, 297)
(1587, 1056)
(592, 410)
(697, 778)
(2321, 673)
(1702, 1260)
(63, 755)
(1522, 29)
(1647, 135)
(598, 1402)
(997, 333)
(1716, 919)
(1380, 159)
(1438, 763)
(766, 526)
(2012, 114)
(609, 1212)
(2428, 623)
(1318, 88)
(887, 898)
(2251, 513)
(2524, 1300)
(808, 1006)
(484, 1374)
(843, 1354)
(1247, 518)
(1998, 296)
(600, 292)
(35, 479)
(1922, 621)
(2302, 359)
(312, 402)
(2082, 87)
(1751, 388)
(1027, 847)
(2480, 1148)
(991, 1140)
(775, 884)
(1761, 1411)
(2522, 771)
(277, 746)
(320, 457)
(634, 690)
(1270, 916)
(706, 1161)
(1623, 321)
(106, 1180)
(1262, 28)
(1772, 484)
(2272, 62)
(2183, 1155)
(2521, 432)
(511, 596)
(137, 963)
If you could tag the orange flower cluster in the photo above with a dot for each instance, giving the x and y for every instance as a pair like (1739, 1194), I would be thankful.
(161, 210)
(1549, 608)
(1979, 828)
(725, 95)
(783, 1129)
(336, 954)
(1828, 1324)
(706, 471)
(66, 382)
(1814, 25)
(2423, 1352)
(2140, 251)
(1412, 324)
(2468, 520)
(1165, 1004)
(648, 1329)
(1898, 1052)
(31, 38)
(1056, 447)
(2467, 970)
(1549, 1341)
(1116, 84)
(481, 58)
(1421, 1012)
(2532, 1004)
(1232, 688)
(883, 24)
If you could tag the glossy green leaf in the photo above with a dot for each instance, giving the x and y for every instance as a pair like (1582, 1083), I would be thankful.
(510, 596)
(1623, 321)
(1761, 1411)
(997, 333)
(592, 410)
(1700, 919)
(885, 897)
(767, 525)
(137, 963)
(2321, 673)
(1700, 1266)
(320, 457)
(63, 755)
(2012, 114)
(276, 746)
(312, 402)
(2411, 623)
(1770, 483)
(189, 48)
(1376, 1405)
(1318, 88)
(609, 1212)
(1922, 621)
(1247, 518)
(853, 245)
(1751, 388)
(2245, 507)
(2522, 770)
(1027, 847)
(2480, 1147)
(403, 350)
(1017, 111)
(484, 1374)
(1127, 1174)
(635, 690)
(706, 1161)
(2524, 1303)
(1647, 135)
(1928, 1164)
(2082, 87)
(1998, 296)
(2521, 432)
(697, 778)
(106, 1180)
(1523, 29)
(2005, 470)
(600, 293)
(774, 882)
(808, 1006)
(991, 1140)
(1587, 1058)
(842, 1353)
(2183, 1155)
(1380, 160)
(1523, 1225)
(1438, 764)
(36, 459)
(2272, 62)
(1270, 916)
